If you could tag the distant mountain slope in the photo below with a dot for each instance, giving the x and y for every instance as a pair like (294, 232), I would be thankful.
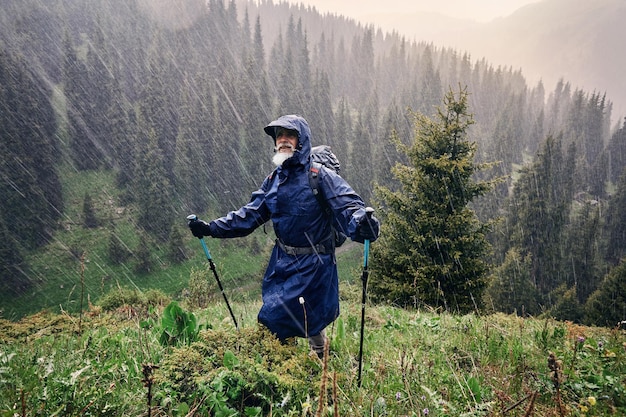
(580, 41)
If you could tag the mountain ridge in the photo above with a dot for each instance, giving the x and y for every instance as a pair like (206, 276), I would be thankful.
(574, 40)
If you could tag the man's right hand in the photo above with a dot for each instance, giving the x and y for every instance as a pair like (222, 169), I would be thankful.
(199, 228)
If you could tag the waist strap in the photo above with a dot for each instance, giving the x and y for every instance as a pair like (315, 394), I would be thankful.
(320, 248)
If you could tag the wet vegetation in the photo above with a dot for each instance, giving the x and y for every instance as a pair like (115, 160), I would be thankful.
(120, 118)
(416, 363)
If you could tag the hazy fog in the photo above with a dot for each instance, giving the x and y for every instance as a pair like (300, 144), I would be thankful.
(576, 40)
(380, 12)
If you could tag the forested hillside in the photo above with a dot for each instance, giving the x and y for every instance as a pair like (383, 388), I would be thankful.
(550, 39)
(171, 97)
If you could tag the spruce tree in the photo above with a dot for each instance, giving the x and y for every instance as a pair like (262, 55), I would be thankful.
(607, 305)
(343, 133)
(86, 151)
(430, 84)
(432, 247)
(510, 288)
(117, 250)
(616, 154)
(615, 224)
(538, 211)
(176, 252)
(360, 161)
(30, 190)
(152, 189)
(12, 266)
(90, 220)
(581, 263)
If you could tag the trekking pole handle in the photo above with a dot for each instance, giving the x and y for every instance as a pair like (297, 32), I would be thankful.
(369, 211)
(193, 218)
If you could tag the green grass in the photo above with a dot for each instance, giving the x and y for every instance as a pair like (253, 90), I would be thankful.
(56, 272)
(416, 363)
(57, 358)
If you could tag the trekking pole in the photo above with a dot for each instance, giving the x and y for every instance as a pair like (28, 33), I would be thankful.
(364, 276)
(193, 217)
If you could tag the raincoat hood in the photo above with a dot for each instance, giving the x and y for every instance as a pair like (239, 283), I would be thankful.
(300, 125)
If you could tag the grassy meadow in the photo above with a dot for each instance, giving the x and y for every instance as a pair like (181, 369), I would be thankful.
(127, 357)
(95, 337)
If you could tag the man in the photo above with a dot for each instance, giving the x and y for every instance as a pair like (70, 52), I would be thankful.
(300, 287)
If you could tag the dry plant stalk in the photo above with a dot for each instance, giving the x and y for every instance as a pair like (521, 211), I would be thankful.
(517, 404)
(531, 406)
(148, 380)
(82, 291)
(23, 401)
(556, 369)
(335, 403)
(322, 402)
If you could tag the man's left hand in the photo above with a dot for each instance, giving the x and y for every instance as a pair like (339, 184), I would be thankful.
(368, 229)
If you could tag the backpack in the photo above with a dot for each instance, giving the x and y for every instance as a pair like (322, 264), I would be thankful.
(321, 156)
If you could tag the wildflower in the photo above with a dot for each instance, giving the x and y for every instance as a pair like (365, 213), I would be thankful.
(583, 408)
(398, 396)
(591, 401)
(425, 411)
(580, 339)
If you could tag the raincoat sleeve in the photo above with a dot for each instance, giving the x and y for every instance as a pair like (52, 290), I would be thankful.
(347, 206)
(244, 221)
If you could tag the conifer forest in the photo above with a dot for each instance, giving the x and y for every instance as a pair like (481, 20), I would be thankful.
(171, 97)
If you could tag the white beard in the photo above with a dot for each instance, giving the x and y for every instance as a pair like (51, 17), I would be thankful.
(280, 157)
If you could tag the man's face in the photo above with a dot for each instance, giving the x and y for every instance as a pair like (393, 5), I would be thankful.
(286, 140)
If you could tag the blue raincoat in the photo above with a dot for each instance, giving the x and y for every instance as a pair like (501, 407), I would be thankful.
(286, 198)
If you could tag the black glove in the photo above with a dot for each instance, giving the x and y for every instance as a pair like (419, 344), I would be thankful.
(199, 228)
(368, 229)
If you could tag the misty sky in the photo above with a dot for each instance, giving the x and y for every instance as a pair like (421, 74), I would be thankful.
(366, 10)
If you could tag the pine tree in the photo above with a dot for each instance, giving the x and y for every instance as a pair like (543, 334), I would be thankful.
(176, 247)
(30, 190)
(511, 289)
(395, 126)
(538, 213)
(615, 224)
(86, 151)
(89, 214)
(117, 250)
(430, 84)
(119, 119)
(343, 133)
(607, 305)
(566, 305)
(616, 154)
(11, 267)
(360, 161)
(581, 262)
(100, 85)
(321, 115)
(152, 189)
(432, 247)
(144, 263)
